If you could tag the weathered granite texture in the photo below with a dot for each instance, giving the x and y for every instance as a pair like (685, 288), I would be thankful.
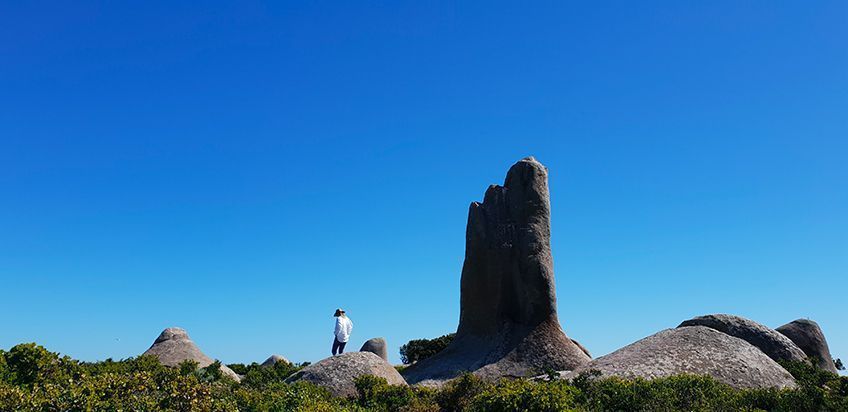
(693, 350)
(772, 343)
(508, 324)
(337, 373)
(809, 337)
(173, 346)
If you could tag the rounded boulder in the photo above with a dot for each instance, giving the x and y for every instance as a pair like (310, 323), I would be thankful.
(693, 350)
(772, 343)
(376, 346)
(809, 337)
(338, 373)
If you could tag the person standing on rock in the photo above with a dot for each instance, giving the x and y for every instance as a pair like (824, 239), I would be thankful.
(342, 333)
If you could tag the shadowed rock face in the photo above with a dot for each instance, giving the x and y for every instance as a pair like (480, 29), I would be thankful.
(173, 346)
(772, 343)
(695, 350)
(508, 324)
(376, 346)
(810, 338)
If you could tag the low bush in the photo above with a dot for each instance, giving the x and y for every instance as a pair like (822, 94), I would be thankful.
(257, 376)
(526, 395)
(457, 394)
(35, 379)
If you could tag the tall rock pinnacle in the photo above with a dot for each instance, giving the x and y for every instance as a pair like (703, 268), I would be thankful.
(508, 324)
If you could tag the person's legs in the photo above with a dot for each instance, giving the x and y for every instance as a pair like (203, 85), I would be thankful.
(341, 347)
(336, 344)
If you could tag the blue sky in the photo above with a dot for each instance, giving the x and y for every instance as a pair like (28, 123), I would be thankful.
(242, 169)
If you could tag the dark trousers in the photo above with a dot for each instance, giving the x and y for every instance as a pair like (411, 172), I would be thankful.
(338, 346)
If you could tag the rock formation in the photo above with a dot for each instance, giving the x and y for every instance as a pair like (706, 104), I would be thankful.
(273, 359)
(376, 346)
(337, 373)
(810, 338)
(772, 343)
(173, 346)
(583, 348)
(693, 350)
(508, 324)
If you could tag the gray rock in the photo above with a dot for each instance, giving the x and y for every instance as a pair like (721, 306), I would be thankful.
(695, 350)
(810, 338)
(173, 346)
(583, 348)
(274, 359)
(772, 343)
(508, 324)
(376, 346)
(337, 373)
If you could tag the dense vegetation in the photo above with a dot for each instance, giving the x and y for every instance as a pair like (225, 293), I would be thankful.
(420, 349)
(34, 379)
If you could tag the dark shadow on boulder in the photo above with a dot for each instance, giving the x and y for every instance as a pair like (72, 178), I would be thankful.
(809, 337)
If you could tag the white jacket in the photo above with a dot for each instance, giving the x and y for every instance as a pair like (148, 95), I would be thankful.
(343, 328)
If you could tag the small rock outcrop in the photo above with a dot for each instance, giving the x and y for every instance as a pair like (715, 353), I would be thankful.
(274, 359)
(772, 343)
(810, 338)
(508, 323)
(337, 373)
(376, 346)
(173, 346)
(695, 350)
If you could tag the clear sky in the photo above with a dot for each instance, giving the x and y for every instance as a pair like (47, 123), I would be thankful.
(241, 169)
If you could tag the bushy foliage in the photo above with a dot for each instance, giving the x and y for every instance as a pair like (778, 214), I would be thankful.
(420, 349)
(525, 395)
(35, 379)
(28, 364)
(257, 376)
(458, 394)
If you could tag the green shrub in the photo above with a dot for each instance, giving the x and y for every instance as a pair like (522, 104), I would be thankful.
(257, 376)
(420, 349)
(375, 394)
(526, 395)
(188, 367)
(818, 389)
(300, 396)
(457, 394)
(211, 373)
(35, 379)
(4, 368)
(28, 363)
